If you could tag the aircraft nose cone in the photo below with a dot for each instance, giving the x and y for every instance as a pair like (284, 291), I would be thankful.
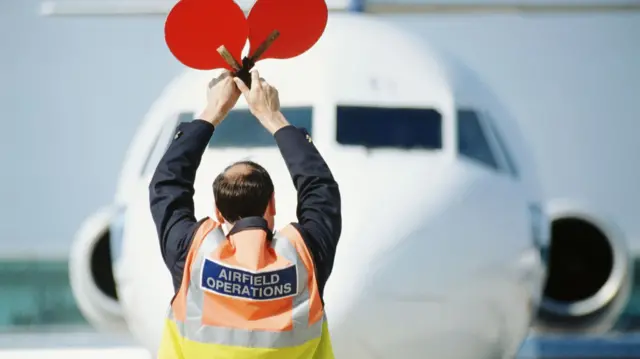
(361, 295)
(410, 278)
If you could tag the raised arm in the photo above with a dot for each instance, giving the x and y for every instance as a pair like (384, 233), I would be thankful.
(171, 189)
(319, 208)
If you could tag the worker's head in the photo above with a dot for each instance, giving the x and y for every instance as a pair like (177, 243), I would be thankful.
(242, 190)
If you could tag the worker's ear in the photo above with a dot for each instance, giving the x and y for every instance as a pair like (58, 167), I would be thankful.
(271, 208)
(219, 217)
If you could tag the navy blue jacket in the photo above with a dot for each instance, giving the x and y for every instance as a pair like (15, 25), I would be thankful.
(171, 197)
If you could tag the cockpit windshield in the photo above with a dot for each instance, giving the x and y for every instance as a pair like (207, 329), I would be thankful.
(242, 129)
(383, 127)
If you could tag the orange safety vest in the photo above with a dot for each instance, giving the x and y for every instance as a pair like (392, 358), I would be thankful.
(230, 307)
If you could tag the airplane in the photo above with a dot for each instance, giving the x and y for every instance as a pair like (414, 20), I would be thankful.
(420, 147)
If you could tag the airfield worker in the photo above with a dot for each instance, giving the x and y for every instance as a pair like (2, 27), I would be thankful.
(241, 289)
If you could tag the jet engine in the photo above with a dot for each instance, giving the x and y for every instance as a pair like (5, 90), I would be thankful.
(590, 273)
(91, 274)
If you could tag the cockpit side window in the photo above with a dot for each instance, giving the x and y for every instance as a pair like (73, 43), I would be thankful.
(472, 140)
(161, 143)
(184, 117)
(381, 127)
(510, 162)
(150, 155)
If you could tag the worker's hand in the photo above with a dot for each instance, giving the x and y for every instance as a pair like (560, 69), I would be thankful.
(222, 96)
(263, 101)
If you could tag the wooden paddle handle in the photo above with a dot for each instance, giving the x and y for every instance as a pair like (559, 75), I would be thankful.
(242, 71)
(249, 62)
(228, 58)
(264, 46)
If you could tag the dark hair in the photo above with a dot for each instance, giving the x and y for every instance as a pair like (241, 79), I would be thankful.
(242, 190)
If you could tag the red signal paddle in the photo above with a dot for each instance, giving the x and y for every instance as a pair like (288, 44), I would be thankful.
(196, 28)
(297, 24)
(300, 23)
(209, 34)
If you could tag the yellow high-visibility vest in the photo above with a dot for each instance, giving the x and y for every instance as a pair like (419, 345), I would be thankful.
(257, 301)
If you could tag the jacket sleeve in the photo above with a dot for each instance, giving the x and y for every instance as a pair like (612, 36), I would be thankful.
(171, 194)
(319, 208)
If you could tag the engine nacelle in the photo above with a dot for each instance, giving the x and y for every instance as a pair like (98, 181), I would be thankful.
(590, 273)
(91, 274)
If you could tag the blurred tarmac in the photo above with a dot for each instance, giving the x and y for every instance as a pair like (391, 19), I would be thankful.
(71, 345)
(120, 353)
(611, 346)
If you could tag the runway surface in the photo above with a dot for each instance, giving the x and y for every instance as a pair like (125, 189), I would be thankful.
(582, 347)
(72, 345)
(120, 353)
(69, 345)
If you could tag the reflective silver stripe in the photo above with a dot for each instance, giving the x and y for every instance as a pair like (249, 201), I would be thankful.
(250, 338)
(195, 295)
(193, 329)
(301, 306)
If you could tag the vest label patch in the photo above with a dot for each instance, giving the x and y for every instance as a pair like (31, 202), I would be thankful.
(222, 279)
